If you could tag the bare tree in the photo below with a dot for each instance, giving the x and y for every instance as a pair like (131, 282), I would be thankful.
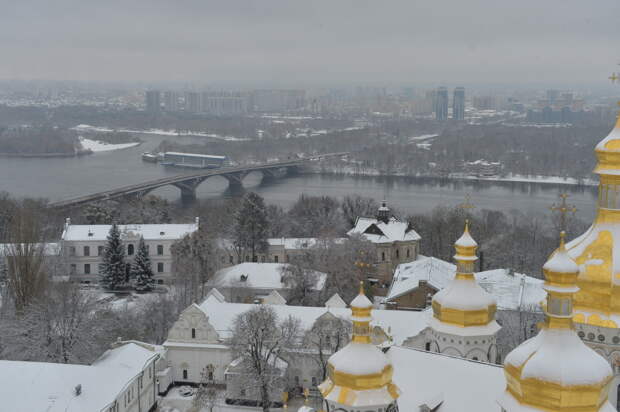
(194, 262)
(24, 254)
(517, 327)
(301, 280)
(258, 339)
(328, 335)
(357, 206)
(61, 326)
(207, 395)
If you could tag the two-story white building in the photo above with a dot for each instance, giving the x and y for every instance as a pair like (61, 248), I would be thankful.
(123, 379)
(83, 247)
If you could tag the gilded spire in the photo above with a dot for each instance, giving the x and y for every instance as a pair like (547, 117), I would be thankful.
(463, 302)
(555, 370)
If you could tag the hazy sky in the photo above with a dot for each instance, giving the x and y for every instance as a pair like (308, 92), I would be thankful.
(310, 41)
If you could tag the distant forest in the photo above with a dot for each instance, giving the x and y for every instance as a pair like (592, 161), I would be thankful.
(389, 146)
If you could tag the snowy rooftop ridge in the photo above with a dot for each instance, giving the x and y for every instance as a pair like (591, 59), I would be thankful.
(512, 291)
(377, 231)
(257, 276)
(147, 231)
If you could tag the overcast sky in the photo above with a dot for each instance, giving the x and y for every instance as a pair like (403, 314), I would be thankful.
(310, 41)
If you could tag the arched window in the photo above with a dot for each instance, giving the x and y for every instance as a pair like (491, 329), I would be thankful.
(397, 254)
(408, 252)
(193, 333)
(184, 374)
(383, 256)
(427, 347)
(130, 249)
(475, 358)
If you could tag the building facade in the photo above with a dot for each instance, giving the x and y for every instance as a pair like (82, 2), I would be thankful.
(83, 246)
(441, 104)
(458, 104)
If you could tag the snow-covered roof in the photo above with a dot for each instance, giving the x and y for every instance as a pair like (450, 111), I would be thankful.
(257, 276)
(559, 356)
(407, 276)
(464, 385)
(274, 298)
(377, 231)
(512, 291)
(49, 387)
(403, 324)
(335, 302)
(466, 240)
(196, 155)
(288, 243)
(359, 359)
(147, 231)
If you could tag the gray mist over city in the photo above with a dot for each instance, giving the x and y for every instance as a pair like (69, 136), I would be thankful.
(309, 206)
(310, 42)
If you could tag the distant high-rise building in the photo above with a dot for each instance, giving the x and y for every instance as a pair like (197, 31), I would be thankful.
(441, 104)
(458, 104)
(192, 102)
(485, 102)
(171, 101)
(278, 100)
(552, 96)
(153, 101)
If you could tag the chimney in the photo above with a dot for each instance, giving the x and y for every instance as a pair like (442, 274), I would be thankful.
(197, 220)
(67, 223)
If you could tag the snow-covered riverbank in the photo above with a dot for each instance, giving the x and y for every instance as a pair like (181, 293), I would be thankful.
(96, 146)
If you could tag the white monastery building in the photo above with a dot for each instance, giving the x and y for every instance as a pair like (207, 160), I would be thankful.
(83, 246)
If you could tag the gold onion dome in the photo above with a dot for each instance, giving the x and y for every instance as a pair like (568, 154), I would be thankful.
(597, 252)
(463, 303)
(555, 370)
(360, 374)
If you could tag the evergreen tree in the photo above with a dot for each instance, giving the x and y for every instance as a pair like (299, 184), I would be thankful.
(141, 271)
(113, 266)
(251, 227)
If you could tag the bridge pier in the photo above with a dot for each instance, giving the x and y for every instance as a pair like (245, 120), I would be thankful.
(235, 180)
(188, 191)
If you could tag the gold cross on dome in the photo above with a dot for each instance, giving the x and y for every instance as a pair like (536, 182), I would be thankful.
(614, 77)
(563, 209)
(467, 205)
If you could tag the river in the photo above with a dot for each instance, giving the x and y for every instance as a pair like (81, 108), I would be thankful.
(62, 178)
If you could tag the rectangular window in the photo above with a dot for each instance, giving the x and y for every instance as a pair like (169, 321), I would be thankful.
(72, 251)
(86, 250)
(160, 250)
(99, 250)
(160, 267)
(275, 258)
(73, 268)
(87, 269)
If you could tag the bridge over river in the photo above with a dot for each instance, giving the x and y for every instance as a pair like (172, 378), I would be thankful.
(188, 182)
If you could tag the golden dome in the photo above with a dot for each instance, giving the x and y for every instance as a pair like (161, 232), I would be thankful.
(360, 374)
(463, 302)
(555, 370)
(597, 251)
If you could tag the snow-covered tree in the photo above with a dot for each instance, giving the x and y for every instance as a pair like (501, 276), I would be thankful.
(327, 336)
(141, 271)
(251, 227)
(258, 339)
(113, 267)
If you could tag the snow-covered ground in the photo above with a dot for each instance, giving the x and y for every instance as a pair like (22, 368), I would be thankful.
(99, 146)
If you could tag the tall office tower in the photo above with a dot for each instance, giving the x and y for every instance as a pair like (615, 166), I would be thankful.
(458, 104)
(441, 104)
(552, 96)
(192, 102)
(171, 101)
(153, 102)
